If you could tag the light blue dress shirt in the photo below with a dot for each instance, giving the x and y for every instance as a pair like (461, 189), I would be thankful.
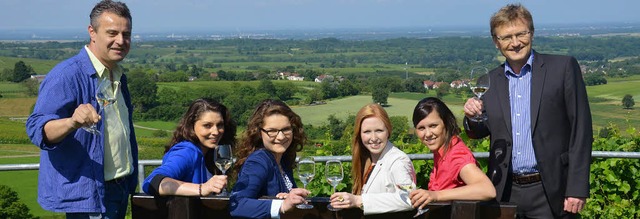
(522, 156)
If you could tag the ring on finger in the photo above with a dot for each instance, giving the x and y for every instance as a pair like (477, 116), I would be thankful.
(340, 199)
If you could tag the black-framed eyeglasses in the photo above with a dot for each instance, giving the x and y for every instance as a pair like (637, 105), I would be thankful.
(521, 36)
(272, 133)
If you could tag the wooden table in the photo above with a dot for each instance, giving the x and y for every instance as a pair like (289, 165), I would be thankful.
(146, 206)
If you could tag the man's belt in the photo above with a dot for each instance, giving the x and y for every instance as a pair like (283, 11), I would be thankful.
(527, 178)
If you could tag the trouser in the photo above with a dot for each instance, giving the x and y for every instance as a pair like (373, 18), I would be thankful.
(116, 201)
(532, 201)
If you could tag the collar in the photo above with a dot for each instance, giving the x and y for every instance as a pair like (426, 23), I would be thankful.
(101, 69)
(508, 71)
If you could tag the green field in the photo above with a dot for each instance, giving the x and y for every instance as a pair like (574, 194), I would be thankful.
(25, 183)
(605, 107)
(40, 66)
(342, 108)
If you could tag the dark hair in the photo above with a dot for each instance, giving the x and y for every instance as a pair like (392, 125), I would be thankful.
(430, 104)
(185, 130)
(509, 14)
(252, 138)
(115, 7)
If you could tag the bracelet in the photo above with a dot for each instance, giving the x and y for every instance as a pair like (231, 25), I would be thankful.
(200, 189)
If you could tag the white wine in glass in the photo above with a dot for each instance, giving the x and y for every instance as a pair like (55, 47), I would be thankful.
(408, 188)
(334, 174)
(224, 160)
(306, 172)
(105, 95)
(479, 84)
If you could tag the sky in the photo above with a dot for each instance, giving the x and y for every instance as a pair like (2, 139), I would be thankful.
(244, 15)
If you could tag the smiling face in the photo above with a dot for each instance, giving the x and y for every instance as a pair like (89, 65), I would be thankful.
(431, 131)
(518, 49)
(282, 140)
(374, 135)
(111, 39)
(209, 128)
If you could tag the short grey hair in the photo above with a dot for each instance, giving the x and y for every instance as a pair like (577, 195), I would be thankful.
(110, 6)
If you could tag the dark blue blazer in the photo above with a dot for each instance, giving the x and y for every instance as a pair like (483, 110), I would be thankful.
(259, 176)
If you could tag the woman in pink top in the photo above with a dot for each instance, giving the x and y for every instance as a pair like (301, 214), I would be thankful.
(456, 174)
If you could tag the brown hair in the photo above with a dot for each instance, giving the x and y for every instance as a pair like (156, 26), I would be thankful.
(185, 130)
(252, 138)
(510, 14)
(431, 104)
(361, 157)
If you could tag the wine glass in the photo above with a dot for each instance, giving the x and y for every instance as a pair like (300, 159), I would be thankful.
(479, 84)
(408, 188)
(334, 175)
(224, 159)
(306, 172)
(105, 96)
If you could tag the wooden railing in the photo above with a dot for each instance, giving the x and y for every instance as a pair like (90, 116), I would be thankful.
(212, 207)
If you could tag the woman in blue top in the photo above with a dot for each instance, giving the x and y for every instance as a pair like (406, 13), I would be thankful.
(188, 167)
(266, 158)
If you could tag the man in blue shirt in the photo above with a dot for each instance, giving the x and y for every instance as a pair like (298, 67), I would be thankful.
(539, 122)
(82, 174)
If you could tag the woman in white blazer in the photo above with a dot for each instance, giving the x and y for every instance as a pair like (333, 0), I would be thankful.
(378, 167)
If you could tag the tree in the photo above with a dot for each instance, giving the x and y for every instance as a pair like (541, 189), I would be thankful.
(21, 72)
(32, 86)
(380, 90)
(10, 205)
(143, 90)
(347, 88)
(6, 74)
(627, 101)
(414, 85)
(380, 96)
(336, 127)
(286, 91)
(314, 95)
(329, 89)
(400, 127)
(442, 90)
(595, 78)
(266, 86)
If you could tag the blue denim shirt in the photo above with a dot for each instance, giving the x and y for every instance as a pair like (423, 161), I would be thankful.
(71, 175)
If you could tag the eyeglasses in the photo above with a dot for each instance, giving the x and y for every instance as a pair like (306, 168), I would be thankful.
(274, 132)
(521, 36)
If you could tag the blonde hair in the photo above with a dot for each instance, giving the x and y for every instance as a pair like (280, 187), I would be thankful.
(510, 14)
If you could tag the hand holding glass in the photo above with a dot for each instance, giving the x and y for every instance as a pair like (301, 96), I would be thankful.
(105, 96)
(306, 172)
(334, 175)
(223, 159)
(479, 84)
(408, 188)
